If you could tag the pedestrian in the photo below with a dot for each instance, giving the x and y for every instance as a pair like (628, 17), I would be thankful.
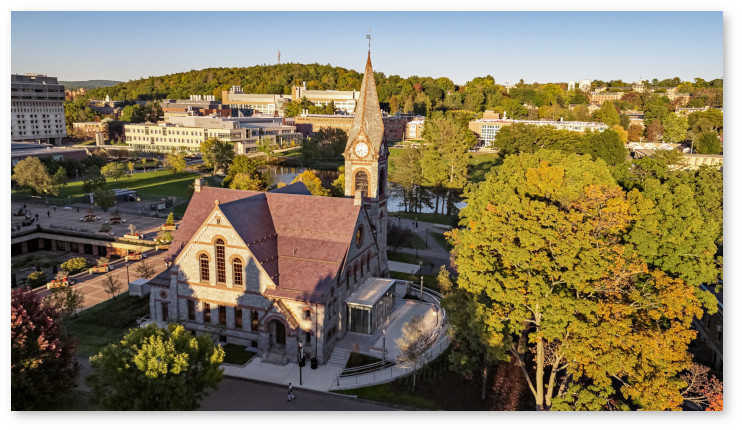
(37, 216)
(48, 214)
(55, 208)
(291, 393)
(78, 209)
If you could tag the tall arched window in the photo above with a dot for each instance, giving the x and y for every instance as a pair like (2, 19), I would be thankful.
(355, 273)
(237, 271)
(221, 272)
(203, 260)
(382, 182)
(362, 261)
(361, 182)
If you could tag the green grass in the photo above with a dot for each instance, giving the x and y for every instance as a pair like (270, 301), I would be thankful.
(481, 164)
(441, 239)
(387, 393)
(405, 258)
(106, 322)
(161, 183)
(428, 281)
(236, 354)
(426, 217)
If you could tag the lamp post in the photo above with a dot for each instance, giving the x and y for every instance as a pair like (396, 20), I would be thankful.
(127, 274)
(300, 353)
(421, 280)
(426, 237)
(383, 345)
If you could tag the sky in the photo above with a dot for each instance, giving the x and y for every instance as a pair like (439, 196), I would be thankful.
(533, 46)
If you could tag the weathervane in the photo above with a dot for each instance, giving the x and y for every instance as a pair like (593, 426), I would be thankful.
(368, 36)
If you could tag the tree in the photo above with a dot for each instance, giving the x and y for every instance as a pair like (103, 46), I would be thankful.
(655, 130)
(337, 188)
(416, 339)
(217, 154)
(113, 170)
(267, 146)
(164, 238)
(74, 265)
(246, 181)
(312, 182)
(112, 286)
(130, 166)
(170, 219)
(145, 270)
(102, 261)
(543, 251)
(622, 133)
(104, 197)
(36, 279)
(176, 161)
(291, 109)
(144, 164)
(66, 301)
(606, 145)
(635, 132)
(60, 177)
(42, 365)
(708, 143)
(132, 229)
(252, 179)
(676, 128)
(607, 114)
(155, 368)
(32, 174)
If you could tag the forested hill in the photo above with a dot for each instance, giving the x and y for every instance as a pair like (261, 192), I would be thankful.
(413, 94)
(94, 83)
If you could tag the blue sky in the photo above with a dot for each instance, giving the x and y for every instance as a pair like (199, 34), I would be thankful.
(534, 46)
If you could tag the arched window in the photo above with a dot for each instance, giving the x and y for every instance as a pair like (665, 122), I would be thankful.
(355, 273)
(368, 264)
(361, 182)
(347, 277)
(221, 271)
(203, 260)
(362, 261)
(237, 271)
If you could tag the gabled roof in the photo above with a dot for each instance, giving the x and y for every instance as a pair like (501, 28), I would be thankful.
(300, 240)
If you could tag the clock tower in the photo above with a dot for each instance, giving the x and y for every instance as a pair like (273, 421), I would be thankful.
(366, 159)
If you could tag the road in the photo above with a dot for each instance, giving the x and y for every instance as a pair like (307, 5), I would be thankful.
(91, 285)
(243, 395)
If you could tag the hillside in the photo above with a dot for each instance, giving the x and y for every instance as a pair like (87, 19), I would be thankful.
(95, 83)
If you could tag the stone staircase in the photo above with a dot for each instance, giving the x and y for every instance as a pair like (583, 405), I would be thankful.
(339, 357)
(275, 356)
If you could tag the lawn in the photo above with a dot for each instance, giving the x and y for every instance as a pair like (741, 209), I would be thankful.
(481, 164)
(441, 239)
(160, 183)
(106, 322)
(236, 354)
(405, 258)
(428, 281)
(391, 394)
(426, 217)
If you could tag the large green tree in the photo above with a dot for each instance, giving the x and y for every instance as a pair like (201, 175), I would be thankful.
(708, 143)
(676, 128)
(217, 154)
(606, 145)
(153, 368)
(30, 173)
(542, 249)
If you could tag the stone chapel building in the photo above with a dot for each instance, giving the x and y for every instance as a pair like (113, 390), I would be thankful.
(270, 270)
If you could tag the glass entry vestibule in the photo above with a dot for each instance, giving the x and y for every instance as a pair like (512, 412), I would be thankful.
(370, 305)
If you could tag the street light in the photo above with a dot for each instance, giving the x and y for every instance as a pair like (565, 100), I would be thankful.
(127, 275)
(300, 353)
(421, 279)
(383, 345)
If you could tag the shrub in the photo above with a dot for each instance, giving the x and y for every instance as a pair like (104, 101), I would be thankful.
(36, 279)
(75, 265)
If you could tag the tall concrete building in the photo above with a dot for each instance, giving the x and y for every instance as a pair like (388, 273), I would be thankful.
(36, 109)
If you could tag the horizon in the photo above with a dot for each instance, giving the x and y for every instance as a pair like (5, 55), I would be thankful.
(599, 45)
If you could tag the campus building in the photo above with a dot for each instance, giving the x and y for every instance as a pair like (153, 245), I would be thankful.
(486, 129)
(196, 105)
(36, 109)
(189, 132)
(276, 269)
(344, 101)
(394, 125)
(247, 104)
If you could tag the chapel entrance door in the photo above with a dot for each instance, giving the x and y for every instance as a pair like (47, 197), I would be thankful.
(278, 333)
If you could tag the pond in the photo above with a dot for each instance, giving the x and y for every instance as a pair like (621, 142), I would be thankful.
(283, 174)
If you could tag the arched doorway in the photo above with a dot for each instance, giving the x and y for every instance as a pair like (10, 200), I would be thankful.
(277, 332)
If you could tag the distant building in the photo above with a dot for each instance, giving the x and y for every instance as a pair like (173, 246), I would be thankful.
(36, 109)
(344, 101)
(635, 118)
(571, 85)
(585, 85)
(196, 105)
(190, 132)
(22, 150)
(394, 125)
(71, 94)
(599, 98)
(414, 129)
(685, 111)
(89, 129)
(247, 104)
(487, 129)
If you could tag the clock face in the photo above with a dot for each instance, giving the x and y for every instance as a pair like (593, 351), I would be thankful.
(361, 149)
